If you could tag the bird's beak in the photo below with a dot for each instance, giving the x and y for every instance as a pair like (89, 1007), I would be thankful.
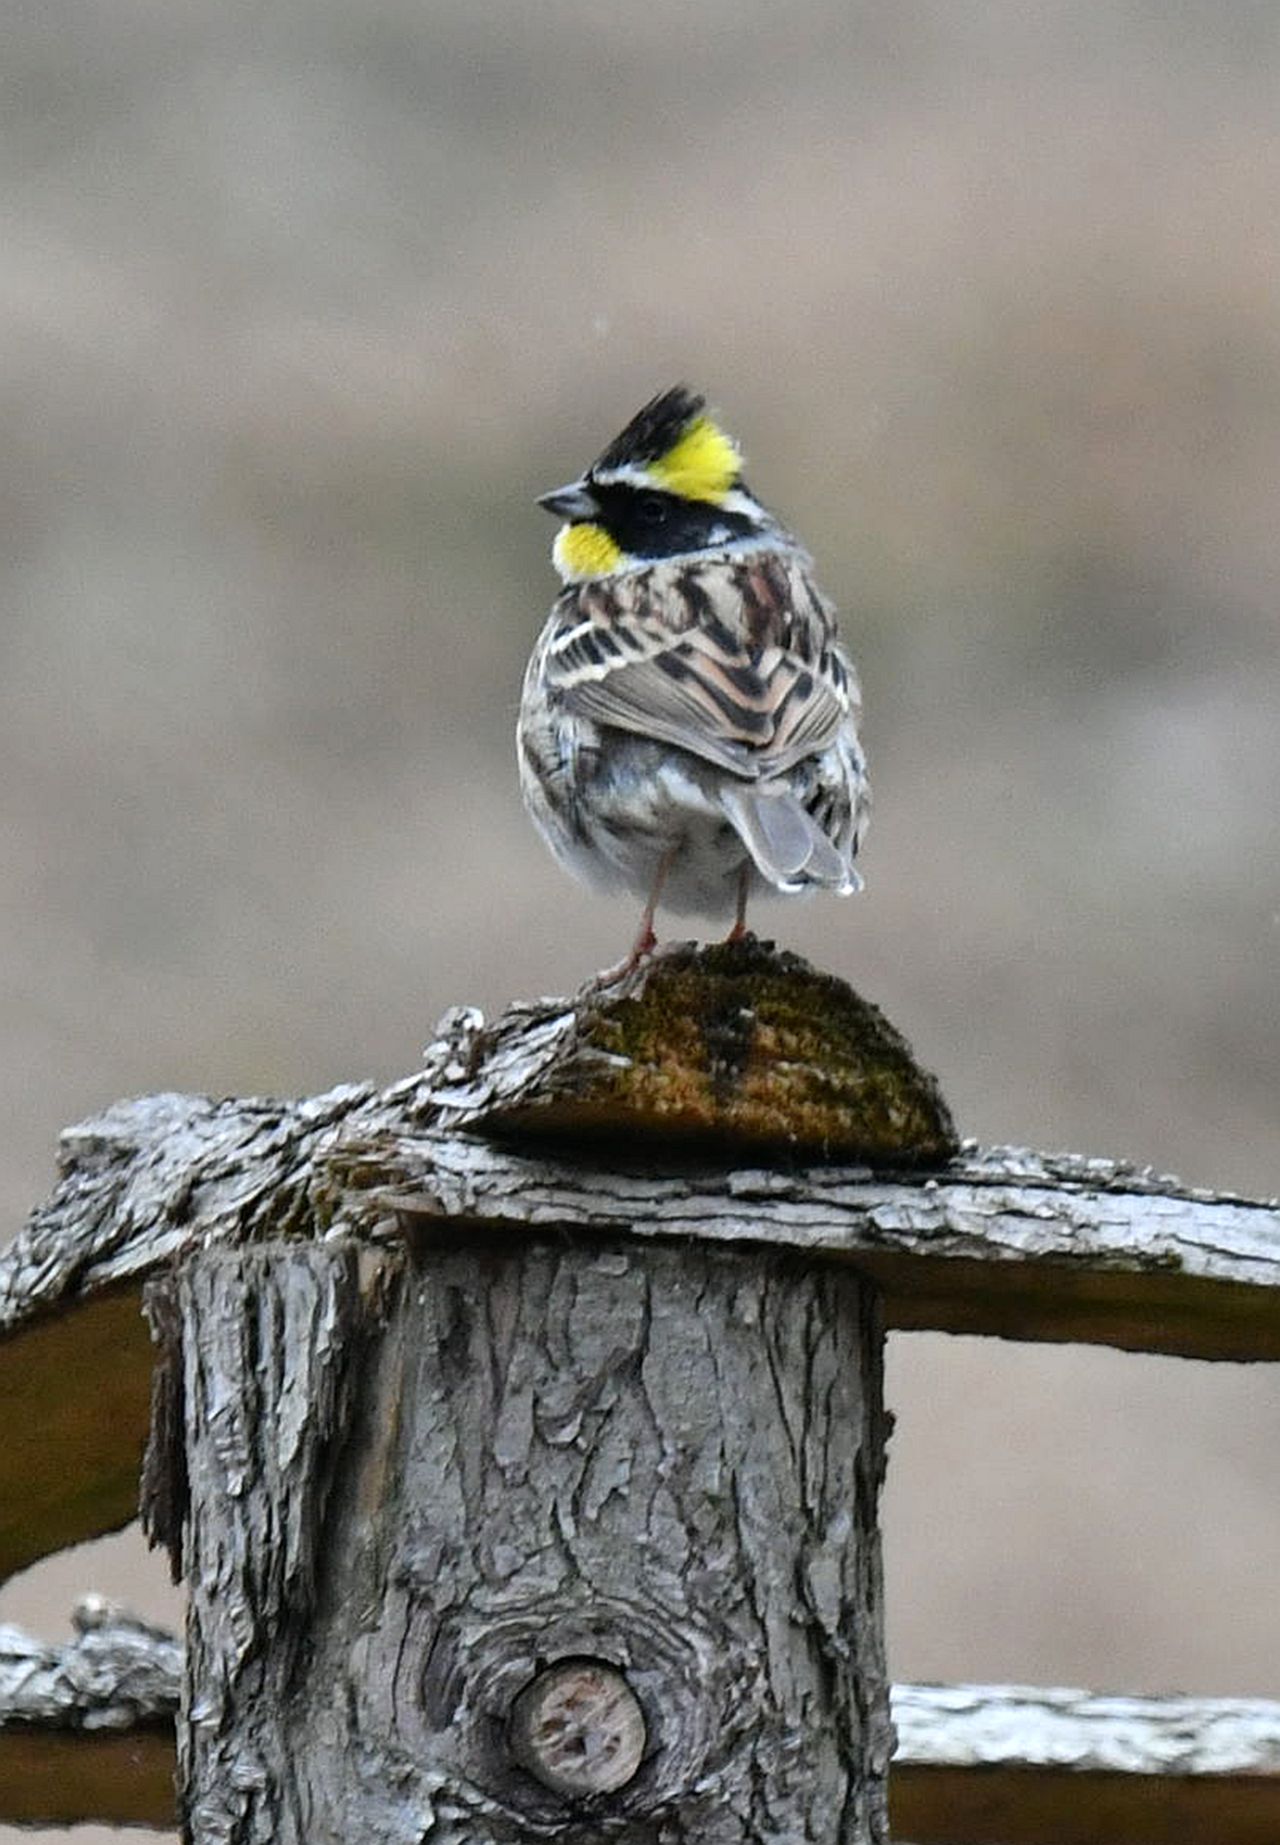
(571, 502)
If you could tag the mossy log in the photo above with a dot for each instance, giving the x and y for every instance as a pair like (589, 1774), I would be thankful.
(739, 1050)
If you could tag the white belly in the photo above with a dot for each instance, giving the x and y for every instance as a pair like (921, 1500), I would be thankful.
(618, 811)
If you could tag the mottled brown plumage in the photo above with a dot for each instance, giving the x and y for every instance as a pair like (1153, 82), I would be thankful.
(689, 720)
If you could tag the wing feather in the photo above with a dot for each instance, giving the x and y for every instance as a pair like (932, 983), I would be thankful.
(736, 663)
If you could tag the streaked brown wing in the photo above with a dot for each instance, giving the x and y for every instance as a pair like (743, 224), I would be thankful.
(749, 685)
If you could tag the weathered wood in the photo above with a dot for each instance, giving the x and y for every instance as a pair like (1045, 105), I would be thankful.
(975, 1765)
(1003, 1242)
(734, 1049)
(663, 1461)
(262, 1381)
(86, 1730)
(1033, 1726)
(1016, 1765)
(116, 1673)
(558, 1519)
(579, 1728)
(1086, 1248)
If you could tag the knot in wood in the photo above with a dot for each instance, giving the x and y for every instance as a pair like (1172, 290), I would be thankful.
(578, 1728)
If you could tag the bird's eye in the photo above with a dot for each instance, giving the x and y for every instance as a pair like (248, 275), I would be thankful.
(652, 508)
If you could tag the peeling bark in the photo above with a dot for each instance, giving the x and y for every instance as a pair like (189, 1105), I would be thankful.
(262, 1361)
(1003, 1239)
(666, 1462)
(118, 1672)
(1034, 1726)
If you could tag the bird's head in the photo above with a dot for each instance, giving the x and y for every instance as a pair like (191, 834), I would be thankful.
(669, 486)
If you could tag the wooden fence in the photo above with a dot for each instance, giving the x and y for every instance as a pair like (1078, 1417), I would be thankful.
(517, 1431)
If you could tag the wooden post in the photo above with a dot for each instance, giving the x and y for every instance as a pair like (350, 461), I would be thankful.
(580, 1543)
(504, 1537)
(517, 1428)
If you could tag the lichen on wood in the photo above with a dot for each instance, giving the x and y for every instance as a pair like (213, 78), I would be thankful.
(738, 1049)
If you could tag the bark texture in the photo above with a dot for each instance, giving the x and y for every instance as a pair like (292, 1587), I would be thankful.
(534, 1494)
(117, 1673)
(259, 1363)
(664, 1461)
(1032, 1726)
(1017, 1765)
(86, 1733)
(1002, 1241)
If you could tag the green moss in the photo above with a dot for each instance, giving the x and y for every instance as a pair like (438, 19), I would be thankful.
(742, 1044)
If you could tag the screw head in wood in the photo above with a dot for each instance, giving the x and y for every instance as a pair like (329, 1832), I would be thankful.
(578, 1728)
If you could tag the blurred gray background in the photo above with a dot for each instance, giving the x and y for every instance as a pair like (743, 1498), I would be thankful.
(300, 307)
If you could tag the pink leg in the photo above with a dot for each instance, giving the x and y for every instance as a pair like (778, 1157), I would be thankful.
(646, 941)
(739, 928)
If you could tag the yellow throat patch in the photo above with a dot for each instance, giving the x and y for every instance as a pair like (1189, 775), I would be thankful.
(584, 550)
(702, 465)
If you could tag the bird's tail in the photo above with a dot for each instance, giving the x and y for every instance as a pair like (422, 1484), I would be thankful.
(785, 841)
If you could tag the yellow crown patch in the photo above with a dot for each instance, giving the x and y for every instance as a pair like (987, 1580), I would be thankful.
(702, 465)
(583, 551)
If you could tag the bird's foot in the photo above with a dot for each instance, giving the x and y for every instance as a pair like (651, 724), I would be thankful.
(641, 950)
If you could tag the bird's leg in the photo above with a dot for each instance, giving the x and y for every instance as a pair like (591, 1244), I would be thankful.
(739, 929)
(646, 941)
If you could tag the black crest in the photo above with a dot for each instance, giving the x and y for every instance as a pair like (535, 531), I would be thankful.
(655, 429)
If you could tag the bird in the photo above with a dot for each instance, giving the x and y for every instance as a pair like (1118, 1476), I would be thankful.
(688, 727)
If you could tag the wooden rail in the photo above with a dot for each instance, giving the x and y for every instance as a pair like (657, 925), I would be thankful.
(86, 1732)
(999, 1241)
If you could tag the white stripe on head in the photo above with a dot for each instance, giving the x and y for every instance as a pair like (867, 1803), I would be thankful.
(633, 474)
